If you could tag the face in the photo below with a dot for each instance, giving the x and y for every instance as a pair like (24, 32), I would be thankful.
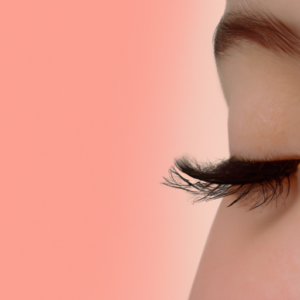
(256, 254)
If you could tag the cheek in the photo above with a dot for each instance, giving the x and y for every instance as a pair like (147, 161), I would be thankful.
(252, 255)
(266, 271)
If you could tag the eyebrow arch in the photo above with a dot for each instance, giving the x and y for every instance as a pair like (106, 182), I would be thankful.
(260, 28)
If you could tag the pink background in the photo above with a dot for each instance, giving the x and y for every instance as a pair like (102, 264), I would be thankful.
(97, 98)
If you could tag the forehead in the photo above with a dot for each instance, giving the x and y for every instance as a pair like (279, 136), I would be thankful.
(278, 7)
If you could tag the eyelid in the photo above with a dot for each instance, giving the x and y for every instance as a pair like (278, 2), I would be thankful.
(232, 176)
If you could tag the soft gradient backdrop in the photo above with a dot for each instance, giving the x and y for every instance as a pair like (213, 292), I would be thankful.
(97, 98)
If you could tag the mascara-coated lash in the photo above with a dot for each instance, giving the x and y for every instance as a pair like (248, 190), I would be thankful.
(264, 179)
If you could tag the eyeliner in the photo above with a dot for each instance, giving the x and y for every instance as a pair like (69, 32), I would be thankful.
(231, 176)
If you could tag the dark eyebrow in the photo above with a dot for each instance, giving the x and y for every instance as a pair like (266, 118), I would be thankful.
(259, 28)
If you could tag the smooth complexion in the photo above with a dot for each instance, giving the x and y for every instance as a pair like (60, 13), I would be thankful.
(256, 254)
(263, 92)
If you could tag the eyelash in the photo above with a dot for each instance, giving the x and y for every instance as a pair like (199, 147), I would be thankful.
(264, 179)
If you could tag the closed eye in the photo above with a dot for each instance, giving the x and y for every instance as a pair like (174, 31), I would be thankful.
(262, 179)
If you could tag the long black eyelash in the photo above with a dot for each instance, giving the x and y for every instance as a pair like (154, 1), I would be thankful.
(233, 176)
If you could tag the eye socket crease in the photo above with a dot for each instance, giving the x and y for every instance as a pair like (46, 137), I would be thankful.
(244, 178)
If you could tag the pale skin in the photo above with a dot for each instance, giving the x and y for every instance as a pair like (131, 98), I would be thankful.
(256, 254)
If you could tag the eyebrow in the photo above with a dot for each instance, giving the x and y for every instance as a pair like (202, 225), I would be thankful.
(259, 28)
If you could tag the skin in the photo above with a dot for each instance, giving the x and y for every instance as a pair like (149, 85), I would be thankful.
(256, 254)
